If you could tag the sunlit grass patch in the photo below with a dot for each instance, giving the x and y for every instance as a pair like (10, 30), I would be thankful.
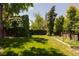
(37, 45)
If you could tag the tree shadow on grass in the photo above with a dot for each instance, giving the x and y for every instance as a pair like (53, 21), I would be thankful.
(13, 42)
(40, 40)
(35, 52)
(18, 41)
(42, 52)
(10, 53)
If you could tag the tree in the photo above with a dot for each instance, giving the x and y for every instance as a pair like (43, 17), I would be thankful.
(39, 23)
(71, 14)
(76, 24)
(9, 9)
(26, 24)
(51, 18)
(59, 25)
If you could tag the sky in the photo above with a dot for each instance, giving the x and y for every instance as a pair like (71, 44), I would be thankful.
(43, 8)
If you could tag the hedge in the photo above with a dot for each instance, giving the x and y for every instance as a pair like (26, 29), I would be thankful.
(16, 32)
(38, 32)
(20, 32)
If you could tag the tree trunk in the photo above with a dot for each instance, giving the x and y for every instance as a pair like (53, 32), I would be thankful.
(70, 36)
(78, 36)
(1, 23)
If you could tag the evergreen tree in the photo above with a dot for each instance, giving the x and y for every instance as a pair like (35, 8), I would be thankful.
(59, 25)
(51, 18)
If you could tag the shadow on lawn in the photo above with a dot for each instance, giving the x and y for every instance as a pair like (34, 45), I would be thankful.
(40, 40)
(10, 53)
(37, 52)
(42, 52)
(17, 42)
(13, 42)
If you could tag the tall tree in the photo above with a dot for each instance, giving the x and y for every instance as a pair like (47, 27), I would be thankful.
(51, 18)
(71, 14)
(26, 24)
(59, 25)
(76, 24)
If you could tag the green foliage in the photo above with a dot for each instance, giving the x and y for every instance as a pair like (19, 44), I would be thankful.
(71, 13)
(11, 8)
(39, 23)
(51, 18)
(59, 25)
(38, 32)
(73, 16)
(25, 19)
(65, 25)
(14, 24)
(76, 22)
(16, 32)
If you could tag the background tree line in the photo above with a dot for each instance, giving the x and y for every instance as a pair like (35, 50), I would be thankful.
(58, 24)
(53, 24)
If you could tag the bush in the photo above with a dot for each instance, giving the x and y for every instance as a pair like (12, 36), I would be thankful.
(16, 32)
(38, 32)
(20, 32)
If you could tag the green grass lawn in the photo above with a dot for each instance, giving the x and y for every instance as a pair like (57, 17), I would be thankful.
(37, 45)
(72, 42)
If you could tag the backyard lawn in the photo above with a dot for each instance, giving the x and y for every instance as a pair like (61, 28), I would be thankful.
(37, 45)
(73, 42)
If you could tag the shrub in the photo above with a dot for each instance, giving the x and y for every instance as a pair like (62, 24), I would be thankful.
(38, 32)
(16, 32)
(20, 32)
